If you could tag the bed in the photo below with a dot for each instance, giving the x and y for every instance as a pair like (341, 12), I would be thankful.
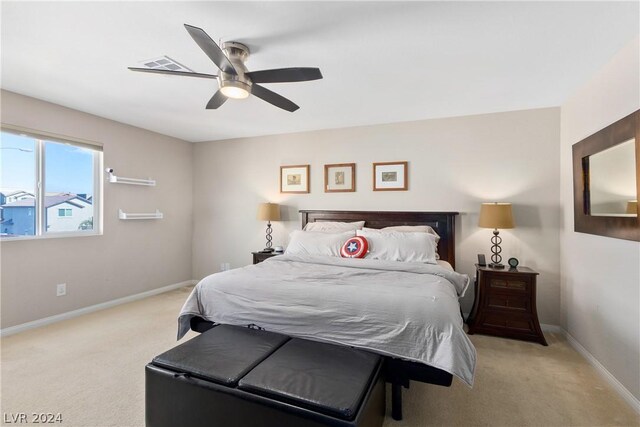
(344, 301)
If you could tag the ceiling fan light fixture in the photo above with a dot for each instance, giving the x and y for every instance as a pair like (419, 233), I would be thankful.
(234, 80)
(235, 89)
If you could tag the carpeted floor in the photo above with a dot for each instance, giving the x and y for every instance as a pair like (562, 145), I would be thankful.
(91, 370)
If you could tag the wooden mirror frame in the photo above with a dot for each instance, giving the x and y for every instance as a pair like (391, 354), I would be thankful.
(627, 228)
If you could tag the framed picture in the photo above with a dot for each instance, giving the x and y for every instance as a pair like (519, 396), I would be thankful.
(390, 176)
(340, 178)
(294, 179)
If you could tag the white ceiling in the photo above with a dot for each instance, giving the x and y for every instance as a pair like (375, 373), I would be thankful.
(382, 61)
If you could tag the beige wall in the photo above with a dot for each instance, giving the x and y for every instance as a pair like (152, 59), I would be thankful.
(601, 275)
(132, 256)
(454, 164)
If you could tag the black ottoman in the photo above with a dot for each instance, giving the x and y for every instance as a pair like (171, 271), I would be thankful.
(232, 376)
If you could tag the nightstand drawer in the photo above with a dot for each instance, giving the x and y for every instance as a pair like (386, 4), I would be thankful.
(513, 323)
(509, 284)
(508, 302)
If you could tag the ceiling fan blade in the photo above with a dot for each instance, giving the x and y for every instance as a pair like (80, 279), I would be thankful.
(216, 100)
(284, 75)
(173, 73)
(212, 50)
(273, 98)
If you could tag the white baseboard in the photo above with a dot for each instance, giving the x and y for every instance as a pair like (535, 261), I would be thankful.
(617, 385)
(85, 310)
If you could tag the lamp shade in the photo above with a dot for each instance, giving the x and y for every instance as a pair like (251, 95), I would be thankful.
(496, 215)
(269, 212)
(632, 207)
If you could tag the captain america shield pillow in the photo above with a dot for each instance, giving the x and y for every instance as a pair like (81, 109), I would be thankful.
(355, 247)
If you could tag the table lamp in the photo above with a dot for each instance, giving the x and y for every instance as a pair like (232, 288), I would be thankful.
(496, 215)
(268, 212)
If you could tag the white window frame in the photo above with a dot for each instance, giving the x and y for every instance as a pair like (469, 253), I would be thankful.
(40, 138)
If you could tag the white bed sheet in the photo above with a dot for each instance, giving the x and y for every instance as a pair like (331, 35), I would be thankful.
(405, 310)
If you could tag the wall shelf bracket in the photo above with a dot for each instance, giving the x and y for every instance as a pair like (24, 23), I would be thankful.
(132, 181)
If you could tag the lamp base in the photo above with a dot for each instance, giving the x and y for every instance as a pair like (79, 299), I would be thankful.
(496, 259)
(268, 249)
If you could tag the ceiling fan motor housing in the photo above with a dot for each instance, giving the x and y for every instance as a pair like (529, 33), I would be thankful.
(237, 54)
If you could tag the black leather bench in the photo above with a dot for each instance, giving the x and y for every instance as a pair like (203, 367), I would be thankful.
(233, 376)
(399, 373)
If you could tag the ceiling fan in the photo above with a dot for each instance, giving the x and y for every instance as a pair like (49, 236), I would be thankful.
(235, 80)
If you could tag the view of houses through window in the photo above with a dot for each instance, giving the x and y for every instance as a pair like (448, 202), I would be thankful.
(67, 176)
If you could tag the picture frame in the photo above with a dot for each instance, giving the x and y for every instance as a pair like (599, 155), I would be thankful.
(340, 178)
(294, 179)
(390, 176)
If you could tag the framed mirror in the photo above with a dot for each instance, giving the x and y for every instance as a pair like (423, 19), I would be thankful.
(606, 179)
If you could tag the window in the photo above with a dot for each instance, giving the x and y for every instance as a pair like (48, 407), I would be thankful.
(17, 185)
(49, 186)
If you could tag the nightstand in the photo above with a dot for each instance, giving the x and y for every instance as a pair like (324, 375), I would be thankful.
(505, 304)
(261, 256)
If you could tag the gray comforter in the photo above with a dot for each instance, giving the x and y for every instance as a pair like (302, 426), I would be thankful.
(406, 310)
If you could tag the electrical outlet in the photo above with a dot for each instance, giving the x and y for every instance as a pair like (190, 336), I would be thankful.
(225, 266)
(61, 289)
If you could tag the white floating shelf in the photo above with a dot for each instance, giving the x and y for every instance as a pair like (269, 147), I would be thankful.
(132, 181)
(155, 215)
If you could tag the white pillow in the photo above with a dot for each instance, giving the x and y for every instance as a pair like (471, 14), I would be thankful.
(400, 246)
(333, 227)
(411, 229)
(313, 243)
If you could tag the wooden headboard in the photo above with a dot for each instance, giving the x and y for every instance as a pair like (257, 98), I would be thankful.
(442, 222)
